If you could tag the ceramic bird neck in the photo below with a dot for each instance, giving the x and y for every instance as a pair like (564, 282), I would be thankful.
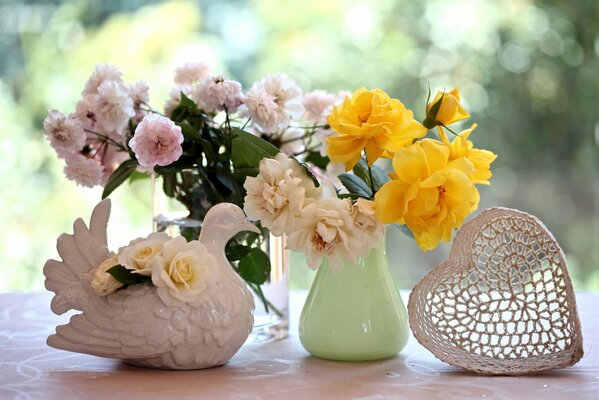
(222, 222)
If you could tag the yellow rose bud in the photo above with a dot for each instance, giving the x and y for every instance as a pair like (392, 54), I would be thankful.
(445, 109)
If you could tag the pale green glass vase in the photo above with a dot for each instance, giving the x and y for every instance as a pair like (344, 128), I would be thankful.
(355, 314)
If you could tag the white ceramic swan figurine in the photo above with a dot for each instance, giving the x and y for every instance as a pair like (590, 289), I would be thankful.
(134, 324)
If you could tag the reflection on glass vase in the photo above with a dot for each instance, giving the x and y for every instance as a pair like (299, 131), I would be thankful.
(271, 317)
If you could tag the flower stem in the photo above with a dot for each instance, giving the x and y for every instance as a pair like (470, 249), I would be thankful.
(106, 139)
(267, 304)
(229, 136)
(325, 126)
(150, 109)
(246, 123)
(450, 130)
(371, 180)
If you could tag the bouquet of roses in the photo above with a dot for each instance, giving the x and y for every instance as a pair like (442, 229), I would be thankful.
(430, 192)
(209, 138)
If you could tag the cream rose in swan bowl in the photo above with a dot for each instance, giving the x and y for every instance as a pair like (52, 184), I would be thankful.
(183, 271)
(102, 282)
(138, 255)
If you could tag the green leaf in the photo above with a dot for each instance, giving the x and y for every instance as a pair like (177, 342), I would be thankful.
(127, 276)
(248, 149)
(168, 185)
(404, 229)
(361, 170)
(348, 196)
(187, 102)
(225, 177)
(317, 159)
(138, 176)
(119, 176)
(254, 267)
(236, 251)
(188, 131)
(379, 177)
(208, 150)
(308, 172)
(355, 185)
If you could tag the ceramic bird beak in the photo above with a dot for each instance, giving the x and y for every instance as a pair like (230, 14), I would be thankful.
(249, 227)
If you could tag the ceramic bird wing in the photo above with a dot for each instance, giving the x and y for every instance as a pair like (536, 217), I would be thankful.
(117, 325)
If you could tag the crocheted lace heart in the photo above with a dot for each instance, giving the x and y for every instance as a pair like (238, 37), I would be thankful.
(503, 303)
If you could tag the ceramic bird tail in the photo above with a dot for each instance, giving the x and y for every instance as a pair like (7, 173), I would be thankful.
(81, 253)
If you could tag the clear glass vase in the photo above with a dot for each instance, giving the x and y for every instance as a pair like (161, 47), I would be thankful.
(355, 314)
(271, 320)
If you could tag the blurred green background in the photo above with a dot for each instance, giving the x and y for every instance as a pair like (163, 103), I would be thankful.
(528, 71)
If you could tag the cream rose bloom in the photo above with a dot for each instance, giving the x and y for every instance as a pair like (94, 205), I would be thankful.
(277, 195)
(183, 272)
(325, 229)
(138, 255)
(102, 282)
(368, 230)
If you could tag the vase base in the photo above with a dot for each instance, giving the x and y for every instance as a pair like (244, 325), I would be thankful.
(332, 354)
(268, 329)
(352, 357)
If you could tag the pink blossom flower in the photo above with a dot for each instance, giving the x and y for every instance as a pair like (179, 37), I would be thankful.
(157, 141)
(102, 73)
(66, 135)
(318, 104)
(191, 73)
(217, 94)
(84, 171)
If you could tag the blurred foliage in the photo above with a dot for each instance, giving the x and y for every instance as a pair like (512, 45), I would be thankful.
(528, 71)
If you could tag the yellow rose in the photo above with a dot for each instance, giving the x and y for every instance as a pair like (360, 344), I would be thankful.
(372, 121)
(429, 193)
(445, 109)
(102, 282)
(462, 147)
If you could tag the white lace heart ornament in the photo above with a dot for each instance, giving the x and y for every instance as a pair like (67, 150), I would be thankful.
(503, 303)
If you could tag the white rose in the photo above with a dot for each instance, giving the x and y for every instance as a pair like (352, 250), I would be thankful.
(325, 229)
(368, 230)
(103, 283)
(183, 272)
(138, 255)
(277, 195)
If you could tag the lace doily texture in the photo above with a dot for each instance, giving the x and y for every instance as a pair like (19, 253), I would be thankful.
(503, 303)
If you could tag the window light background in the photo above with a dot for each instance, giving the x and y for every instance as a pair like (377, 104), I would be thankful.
(528, 72)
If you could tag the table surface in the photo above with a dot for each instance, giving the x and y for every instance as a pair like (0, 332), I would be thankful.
(29, 369)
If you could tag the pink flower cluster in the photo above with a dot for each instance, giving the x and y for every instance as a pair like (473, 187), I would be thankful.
(157, 141)
(91, 140)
